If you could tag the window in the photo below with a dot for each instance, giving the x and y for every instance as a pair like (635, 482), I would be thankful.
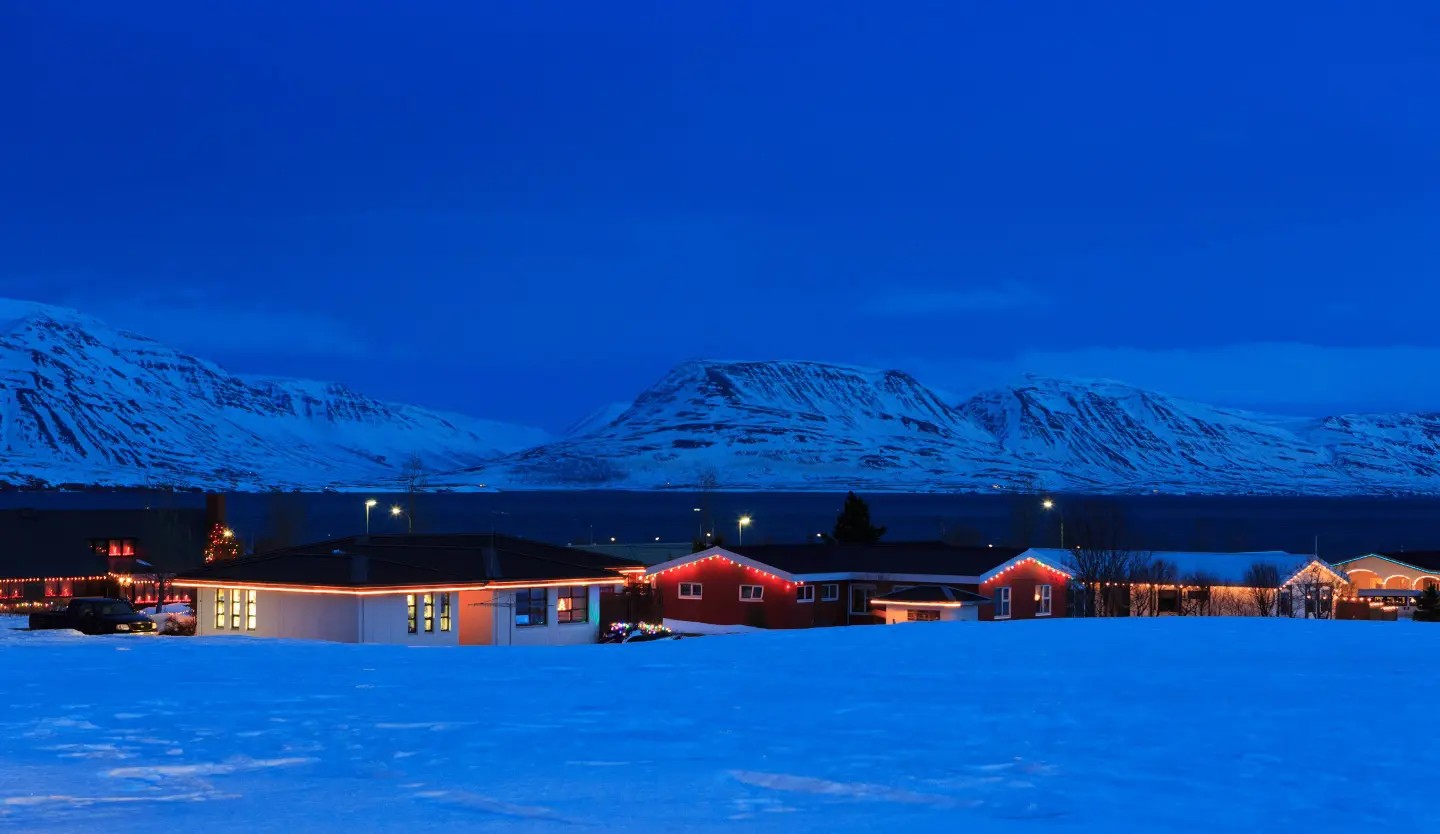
(915, 616)
(1042, 600)
(804, 593)
(444, 612)
(572, 605)
(235, 608)
(113, 547)
(829, 593)
(250, 610)
(690, 590)
(429, 613)
(1002, 603)
(752, 593)
(219, 607)
(530, 607)
(860, 600)
(59, 588)
(411, 617)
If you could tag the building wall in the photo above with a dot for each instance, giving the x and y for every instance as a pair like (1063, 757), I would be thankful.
(332, 617)
(899, 614)
(503, 631)
(1371, 572)
(1024, 581)
(385, 619)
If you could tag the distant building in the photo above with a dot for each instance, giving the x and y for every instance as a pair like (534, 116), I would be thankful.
(48, 557)
(411, 589)
(1383, 584)
(930, 603)
(809, 585)
(646, 553)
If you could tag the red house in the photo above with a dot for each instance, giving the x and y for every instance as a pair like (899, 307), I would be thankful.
(1027, 586)
(808, 585)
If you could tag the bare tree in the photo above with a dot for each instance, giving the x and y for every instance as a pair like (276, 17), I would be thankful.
(1101, 557)
(1147, 577)
(1197, 594)
(1318, 588)
(414, 479)
(1262, 584)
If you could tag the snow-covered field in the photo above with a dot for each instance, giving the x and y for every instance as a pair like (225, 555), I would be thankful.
(1121, 725)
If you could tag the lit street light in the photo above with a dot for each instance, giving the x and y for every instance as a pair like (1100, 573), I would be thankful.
(740, 526)
(396, 511)
(369, 505)
(1050, 505)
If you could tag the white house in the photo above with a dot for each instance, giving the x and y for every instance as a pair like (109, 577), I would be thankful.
(489, 590)
(930, 603)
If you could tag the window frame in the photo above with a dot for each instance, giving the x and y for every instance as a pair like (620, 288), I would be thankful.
(869, 592)
(221, 609)
(830, 592)
(235, 600)
(579, 598)
(427, 607)
(922, 615)
(251, 614)
(1002, 600)
(1045, 605)
(529, 594)
(758, 593)
(445, 612)
(412, 615)
(697, 590)
(805, 594)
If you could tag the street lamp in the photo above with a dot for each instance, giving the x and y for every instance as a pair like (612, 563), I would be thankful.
(396, 512)
(1049, 505)
(740, 526)
(369, 505)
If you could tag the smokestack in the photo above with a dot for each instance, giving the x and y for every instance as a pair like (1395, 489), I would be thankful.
(359, 568)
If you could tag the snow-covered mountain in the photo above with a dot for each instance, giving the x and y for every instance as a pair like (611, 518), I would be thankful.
(82, 402)
(807, 425)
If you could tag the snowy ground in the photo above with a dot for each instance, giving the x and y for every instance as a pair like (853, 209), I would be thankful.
(1124, 725)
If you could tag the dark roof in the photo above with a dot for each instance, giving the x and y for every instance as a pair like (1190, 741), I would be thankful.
(931, 593)
(415, 560)
(1422, 559)
(930, 558)
(56, 543)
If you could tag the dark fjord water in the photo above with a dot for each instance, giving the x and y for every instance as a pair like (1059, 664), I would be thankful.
(1344, 526)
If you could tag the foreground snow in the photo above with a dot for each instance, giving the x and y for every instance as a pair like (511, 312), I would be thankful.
(1124, 725)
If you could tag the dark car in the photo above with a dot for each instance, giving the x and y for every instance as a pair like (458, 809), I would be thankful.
(95, 615)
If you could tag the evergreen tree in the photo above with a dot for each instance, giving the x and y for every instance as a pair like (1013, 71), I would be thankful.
(853, 525)
(222, 545)
(1427, 607)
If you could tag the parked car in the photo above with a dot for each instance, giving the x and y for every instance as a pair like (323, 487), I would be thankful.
(95, 615)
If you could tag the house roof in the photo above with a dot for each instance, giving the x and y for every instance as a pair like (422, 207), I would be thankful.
(912, 558)
(1222, 568)
(393, 561)
(56, 543)
(931, 595)
(1421, 560)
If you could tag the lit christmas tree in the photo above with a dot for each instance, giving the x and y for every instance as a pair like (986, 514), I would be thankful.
(223, 544)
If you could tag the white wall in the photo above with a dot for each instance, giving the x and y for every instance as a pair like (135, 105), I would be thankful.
(282, 614)
(385, 619)
(896, 614)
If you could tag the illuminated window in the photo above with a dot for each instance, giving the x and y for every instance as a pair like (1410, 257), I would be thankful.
(829, 593)
(804, 593)
(235, 608)
(1042, 600)
(916, 616)
(410, 614)
(691, 590)
(219, 607)
(113, 547)
(530, 607)
(1002, 602)
(250, 610)
(752, 593)
(572, 605)
(860, 600)
(429, 613)
(444, 612)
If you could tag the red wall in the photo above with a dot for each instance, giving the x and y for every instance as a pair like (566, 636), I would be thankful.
(1023, 580)
(720, 602)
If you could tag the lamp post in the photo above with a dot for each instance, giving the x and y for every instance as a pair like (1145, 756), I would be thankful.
(1050, 505)
(740, 526)
(396, 512)
(369, 505)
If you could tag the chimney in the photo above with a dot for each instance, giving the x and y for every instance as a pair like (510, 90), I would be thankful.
(214, 510)
(359, 568)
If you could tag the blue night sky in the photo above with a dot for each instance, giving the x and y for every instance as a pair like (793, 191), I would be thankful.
(526, 210)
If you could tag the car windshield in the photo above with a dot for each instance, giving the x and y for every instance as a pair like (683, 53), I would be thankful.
(113, 609)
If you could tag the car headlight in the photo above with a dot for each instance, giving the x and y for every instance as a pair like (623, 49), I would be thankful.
(122, 627)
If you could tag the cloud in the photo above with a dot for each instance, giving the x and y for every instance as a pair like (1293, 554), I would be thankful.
(943, 302)
(1280, 377)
